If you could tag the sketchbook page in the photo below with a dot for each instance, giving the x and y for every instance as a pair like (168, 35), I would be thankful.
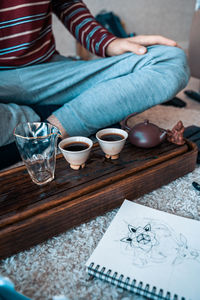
(154, 247)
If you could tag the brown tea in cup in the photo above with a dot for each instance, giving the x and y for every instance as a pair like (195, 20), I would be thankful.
(76, 146)
(111, 137)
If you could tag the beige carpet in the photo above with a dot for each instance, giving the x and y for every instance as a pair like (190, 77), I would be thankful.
(57, 266)
(167, 116)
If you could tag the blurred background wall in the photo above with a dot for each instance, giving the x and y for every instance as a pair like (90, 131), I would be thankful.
(171, 18)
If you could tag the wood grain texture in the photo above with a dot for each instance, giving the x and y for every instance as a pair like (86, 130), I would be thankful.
(30, 214)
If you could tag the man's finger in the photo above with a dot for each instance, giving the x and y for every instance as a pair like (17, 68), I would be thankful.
(148, 40)
(135, 48)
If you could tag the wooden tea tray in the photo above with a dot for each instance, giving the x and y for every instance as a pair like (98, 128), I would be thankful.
(30, 214)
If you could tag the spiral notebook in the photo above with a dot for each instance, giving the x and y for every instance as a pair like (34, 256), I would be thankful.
(151, 253)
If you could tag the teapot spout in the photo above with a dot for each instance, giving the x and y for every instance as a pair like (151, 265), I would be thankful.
(163, 135)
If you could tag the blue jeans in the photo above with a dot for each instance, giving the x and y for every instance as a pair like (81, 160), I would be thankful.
(92, 94)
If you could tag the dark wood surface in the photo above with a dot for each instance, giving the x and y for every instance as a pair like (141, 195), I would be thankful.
(30, 214)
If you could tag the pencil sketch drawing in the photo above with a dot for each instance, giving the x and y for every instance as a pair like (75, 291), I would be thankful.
(151, 241)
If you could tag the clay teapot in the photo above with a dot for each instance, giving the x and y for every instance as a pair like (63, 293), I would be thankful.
(148, 135)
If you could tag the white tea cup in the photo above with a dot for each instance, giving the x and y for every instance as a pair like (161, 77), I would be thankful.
(111, 141)
(76, 150)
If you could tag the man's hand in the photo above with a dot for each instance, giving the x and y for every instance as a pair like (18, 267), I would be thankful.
(137, 44)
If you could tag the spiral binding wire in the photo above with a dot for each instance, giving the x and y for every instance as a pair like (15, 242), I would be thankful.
(132, 286)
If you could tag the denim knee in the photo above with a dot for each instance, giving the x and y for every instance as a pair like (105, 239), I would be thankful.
(175, 61)
(181, 63)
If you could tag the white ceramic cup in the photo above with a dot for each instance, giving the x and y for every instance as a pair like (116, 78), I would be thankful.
(76, 159)
(112, 148)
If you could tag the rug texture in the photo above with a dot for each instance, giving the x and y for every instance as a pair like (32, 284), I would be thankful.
(57, 267)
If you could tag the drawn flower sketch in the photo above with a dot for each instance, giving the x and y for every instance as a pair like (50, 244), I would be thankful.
(150, 241)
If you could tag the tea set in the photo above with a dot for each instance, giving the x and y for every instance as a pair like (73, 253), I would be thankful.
(37, 144)
(112, 140)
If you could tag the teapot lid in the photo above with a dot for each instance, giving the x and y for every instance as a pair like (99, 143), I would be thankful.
(146, 125)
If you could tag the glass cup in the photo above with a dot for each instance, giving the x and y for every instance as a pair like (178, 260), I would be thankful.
(37, 144)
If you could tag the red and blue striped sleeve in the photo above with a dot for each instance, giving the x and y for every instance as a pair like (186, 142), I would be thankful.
(79, 21)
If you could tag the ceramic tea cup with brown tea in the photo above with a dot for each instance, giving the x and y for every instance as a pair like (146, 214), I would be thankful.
(76, 150)
(111, 141)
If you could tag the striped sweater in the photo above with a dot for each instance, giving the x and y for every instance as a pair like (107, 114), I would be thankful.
(26, 36)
